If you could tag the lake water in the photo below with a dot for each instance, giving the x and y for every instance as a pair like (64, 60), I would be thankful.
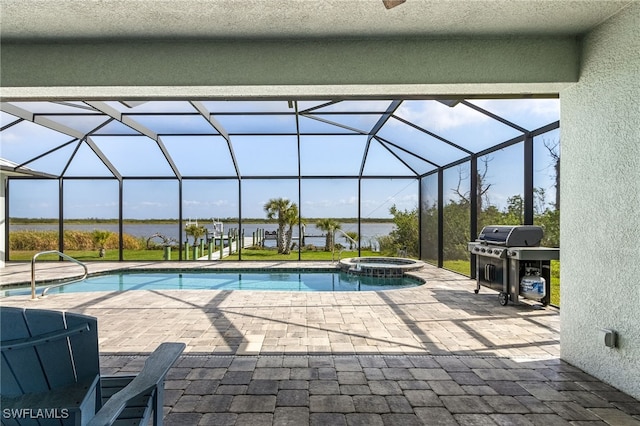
(312, 235)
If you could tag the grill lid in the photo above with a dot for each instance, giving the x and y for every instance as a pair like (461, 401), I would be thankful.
(512, 236)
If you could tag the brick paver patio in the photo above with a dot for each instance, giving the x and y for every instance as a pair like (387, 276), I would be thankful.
(436, 354)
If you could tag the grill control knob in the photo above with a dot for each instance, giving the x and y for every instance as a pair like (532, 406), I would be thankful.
(489, 251)
(482, 250)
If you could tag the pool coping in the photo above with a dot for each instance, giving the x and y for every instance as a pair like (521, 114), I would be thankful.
(54, 283)
(376, 267)
(18, 274)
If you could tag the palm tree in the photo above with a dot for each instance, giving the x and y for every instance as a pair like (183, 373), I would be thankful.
(195, 231)
(329, 226)
(286, 213)
(100, 238)
(291, 218)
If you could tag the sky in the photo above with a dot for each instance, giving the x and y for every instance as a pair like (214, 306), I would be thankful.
(259, 157)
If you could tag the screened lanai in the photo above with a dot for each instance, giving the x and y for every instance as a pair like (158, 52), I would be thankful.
(368, 164)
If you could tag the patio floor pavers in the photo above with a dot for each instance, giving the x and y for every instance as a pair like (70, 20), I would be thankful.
(435, 354)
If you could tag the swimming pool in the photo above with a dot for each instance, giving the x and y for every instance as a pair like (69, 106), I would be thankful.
(321, 280)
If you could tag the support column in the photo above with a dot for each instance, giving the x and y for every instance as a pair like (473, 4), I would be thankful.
(4, 227)
(473, 197)
(528, 179)
(440, 218)
(180, 222)
(419, 220)
(60, 216)
(120, 218)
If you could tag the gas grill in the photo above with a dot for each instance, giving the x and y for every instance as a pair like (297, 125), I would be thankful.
(509, 259)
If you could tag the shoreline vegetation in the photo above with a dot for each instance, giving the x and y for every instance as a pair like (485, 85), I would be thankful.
(90, 221)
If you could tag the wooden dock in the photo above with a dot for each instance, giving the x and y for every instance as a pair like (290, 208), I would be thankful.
(215, 255)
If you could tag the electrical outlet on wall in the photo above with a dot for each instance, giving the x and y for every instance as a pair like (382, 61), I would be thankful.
(610, 338)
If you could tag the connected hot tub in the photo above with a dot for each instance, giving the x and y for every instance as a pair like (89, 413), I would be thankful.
(388, 267)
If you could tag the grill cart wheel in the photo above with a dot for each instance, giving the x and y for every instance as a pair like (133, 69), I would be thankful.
(503, 298)
(476, 291)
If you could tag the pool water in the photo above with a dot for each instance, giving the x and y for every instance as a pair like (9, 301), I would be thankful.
(273, 281)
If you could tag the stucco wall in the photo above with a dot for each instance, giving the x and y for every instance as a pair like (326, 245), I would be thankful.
(600, 218)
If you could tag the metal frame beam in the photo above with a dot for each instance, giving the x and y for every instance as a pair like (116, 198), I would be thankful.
(89, 141)
(433, 135)
(473, 196)
(419, 157)
(440, 217)
(528, 180)
(333, 123)
(128, 121)
(397, 156)
(299, 156)
(494, 116)
(393, 106)
(41, 119)
(315, 113)
(202, 109)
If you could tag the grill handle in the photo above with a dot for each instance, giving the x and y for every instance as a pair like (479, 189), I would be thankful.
(489, 270)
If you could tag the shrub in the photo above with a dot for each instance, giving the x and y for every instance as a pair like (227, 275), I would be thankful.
(129, 242)
(78, 240)
(388, 245)
(31, 240)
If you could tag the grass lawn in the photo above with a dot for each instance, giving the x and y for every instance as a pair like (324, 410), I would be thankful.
(555, 283)
(460, 266)
(92, 255)
(247, 254)
(267, 254)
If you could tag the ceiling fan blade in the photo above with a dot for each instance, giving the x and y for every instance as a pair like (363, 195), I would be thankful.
(392, 3)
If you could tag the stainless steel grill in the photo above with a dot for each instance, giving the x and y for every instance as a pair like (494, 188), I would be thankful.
(509, 259)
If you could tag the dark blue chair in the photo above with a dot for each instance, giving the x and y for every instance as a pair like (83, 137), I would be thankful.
(50, 374)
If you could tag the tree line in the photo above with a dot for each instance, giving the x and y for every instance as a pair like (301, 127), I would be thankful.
(457, 212)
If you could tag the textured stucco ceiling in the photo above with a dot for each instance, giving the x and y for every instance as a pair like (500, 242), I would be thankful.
(121, 19)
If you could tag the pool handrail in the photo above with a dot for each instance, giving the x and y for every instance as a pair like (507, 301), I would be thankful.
(333, 252)
(33, 272)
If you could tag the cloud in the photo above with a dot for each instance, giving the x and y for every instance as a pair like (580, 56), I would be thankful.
(378, 208)
(152, 204)
(141, 205)
(43, 205)
(10, 137)
(544, 108)
(93, 205)
(434, 116)
(27, 132)
(209, 203)
(327, 203)
(437, 117)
